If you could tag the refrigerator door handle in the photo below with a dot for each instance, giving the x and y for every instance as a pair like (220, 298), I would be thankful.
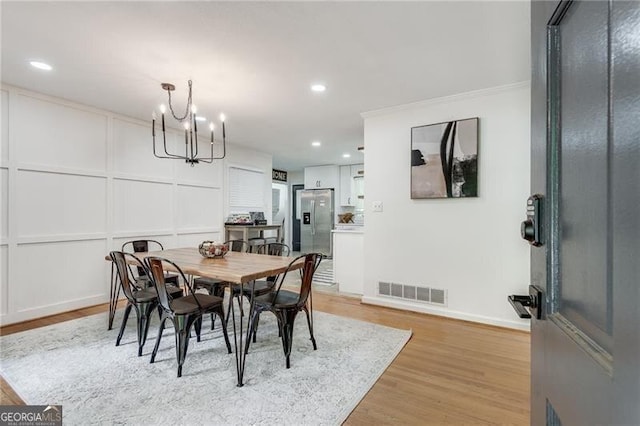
(313, 217)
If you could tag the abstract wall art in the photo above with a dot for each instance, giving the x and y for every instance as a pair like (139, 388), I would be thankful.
(444, 160)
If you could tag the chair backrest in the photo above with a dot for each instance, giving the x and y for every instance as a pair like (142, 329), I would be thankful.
(237, 245)
(311, 262)
(275, 249)
(155, 266)
(124, 272)
(140, 246)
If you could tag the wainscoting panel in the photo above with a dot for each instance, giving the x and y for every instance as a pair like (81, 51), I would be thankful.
(55, 274)
(64, 136)
(133, 150)
(146, 206)
(203, 173)
(4, 126)
(4, 278)
(58, 204)
(4, 209)
(194, 240)
(198, 207)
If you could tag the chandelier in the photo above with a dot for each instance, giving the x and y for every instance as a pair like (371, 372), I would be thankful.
(190, 123)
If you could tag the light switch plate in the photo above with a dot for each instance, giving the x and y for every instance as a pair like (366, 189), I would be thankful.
(377, 206)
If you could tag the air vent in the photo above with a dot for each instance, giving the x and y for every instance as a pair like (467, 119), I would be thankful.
(434, 296)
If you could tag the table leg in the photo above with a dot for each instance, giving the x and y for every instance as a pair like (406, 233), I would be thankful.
(241, 353)
(245, 235)
(114, 294)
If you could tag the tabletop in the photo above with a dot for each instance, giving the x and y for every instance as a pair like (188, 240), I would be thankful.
(234, 267)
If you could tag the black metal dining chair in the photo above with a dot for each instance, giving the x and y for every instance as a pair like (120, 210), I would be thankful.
(142, 246)
(142, 299)
(259, 287)
(286, 304)
(216, 287)
(184, 312)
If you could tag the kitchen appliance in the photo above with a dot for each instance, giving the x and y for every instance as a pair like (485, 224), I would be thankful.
(317, 221)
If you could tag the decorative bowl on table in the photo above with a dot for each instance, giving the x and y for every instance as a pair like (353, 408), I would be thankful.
(212, 249)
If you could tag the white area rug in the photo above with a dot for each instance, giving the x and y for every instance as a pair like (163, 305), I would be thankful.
(77, 364)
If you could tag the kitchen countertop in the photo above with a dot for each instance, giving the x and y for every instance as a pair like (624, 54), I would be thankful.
(351, 229)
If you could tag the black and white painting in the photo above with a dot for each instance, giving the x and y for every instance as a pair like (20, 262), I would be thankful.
(444, 160)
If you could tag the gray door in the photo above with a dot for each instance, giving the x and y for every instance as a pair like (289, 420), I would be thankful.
(585, 349)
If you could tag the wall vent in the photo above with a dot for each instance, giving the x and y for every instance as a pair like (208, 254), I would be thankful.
(435, 296)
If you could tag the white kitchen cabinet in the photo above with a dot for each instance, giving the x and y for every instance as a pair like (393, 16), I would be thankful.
(321, 177)
(348, 259)
(348, 187)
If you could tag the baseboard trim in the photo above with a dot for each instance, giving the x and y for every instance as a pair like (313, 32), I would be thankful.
(43, 311)
(432, 310)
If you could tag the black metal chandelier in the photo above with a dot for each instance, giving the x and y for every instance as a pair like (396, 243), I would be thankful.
(190, 123)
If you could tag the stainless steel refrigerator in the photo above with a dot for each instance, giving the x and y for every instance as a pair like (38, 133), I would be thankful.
(317, 221)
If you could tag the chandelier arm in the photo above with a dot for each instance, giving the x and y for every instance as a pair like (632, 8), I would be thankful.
(169, 155)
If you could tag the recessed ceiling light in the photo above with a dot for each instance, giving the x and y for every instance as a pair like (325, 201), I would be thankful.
(316, 143)
(41, 65)
(346, 155)
(200, 118)
(318, 87)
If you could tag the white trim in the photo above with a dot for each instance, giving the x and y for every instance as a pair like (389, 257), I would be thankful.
(446, 99)
(195, 184)
(433, 310)
(191, 231)
(147, 233)
(60, 238)
(33, 167)
(42, 311)
(141, 178)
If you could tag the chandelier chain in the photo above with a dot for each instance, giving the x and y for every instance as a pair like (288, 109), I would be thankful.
(188, 108)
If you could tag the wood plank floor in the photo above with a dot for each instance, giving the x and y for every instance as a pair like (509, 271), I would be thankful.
(450, 372)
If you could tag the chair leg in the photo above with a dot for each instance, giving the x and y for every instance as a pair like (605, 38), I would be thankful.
(289, 317)
(184, 324)
(310, 324)
(220, 312)
(143, 310)
(198, 327)
(157, 345)
(127, 311)
(255, 327)
(253, 318)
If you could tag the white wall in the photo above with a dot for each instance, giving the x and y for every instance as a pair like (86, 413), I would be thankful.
(470, 247)
(77, 182)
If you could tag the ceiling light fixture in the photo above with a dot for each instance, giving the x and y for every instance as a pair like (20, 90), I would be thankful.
(189, 121)
(316, 143)
(41, 65)
(346, 155)
(318, 87)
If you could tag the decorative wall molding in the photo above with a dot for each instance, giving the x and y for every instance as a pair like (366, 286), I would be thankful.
(123, 160)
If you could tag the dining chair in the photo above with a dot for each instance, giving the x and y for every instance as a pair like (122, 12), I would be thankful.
(216, 287)
(259, 287)
(184, 312)
(142, 246)
(142, 299)
(286, 304)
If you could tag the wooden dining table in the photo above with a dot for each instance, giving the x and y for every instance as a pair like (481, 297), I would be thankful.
(234, 268)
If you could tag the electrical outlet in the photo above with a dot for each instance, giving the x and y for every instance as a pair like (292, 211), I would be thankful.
(377, 206)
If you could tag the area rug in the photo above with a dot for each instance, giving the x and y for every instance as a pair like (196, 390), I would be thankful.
(76, 364)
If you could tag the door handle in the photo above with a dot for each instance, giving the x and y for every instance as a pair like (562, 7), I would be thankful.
(528, 305)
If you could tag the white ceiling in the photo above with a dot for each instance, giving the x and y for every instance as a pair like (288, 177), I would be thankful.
(255, 61)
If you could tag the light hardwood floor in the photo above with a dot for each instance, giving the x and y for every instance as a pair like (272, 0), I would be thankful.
(450, 372)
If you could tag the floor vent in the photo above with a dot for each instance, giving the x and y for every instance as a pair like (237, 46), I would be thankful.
(436, 296)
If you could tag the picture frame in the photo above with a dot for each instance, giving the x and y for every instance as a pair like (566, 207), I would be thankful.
(444, 159)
